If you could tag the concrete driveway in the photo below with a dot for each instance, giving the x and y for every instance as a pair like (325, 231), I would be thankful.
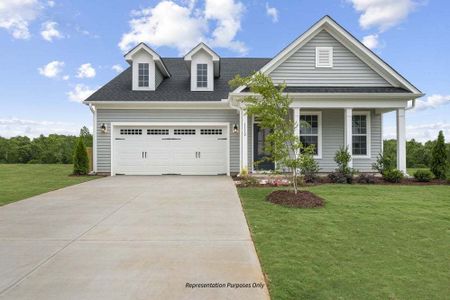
(130, 238)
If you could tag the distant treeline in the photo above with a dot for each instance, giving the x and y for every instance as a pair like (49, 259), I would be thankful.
(52, 149)
(418, 155)
(58, 149)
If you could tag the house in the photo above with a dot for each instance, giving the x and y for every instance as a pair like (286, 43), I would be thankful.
(179, 115)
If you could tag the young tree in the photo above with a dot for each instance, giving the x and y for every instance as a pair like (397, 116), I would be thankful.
(80, 159)
(272, 108)
(86, 136)
(439, 164)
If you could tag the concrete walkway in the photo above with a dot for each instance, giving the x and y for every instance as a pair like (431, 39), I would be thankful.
(129, 238)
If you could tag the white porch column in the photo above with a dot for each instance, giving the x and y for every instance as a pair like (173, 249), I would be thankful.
(297, 121)
(348, 132)
(401, 140)
(244, 139)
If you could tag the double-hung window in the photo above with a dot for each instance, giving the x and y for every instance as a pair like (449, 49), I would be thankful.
(360, 133)
(202, 75)
(310, 131)
(143, 74)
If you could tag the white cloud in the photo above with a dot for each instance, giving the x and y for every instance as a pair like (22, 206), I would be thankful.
(117, 68)
(80, 93)
(371, 41)
(52, 69)
(50, 31)
(86, 71)
(16, 15)
(13, 127)
(51, 3)
(382, 14)
(272, 12)
(66, 77)
(420, 132)
(432, 102)
(183, 26)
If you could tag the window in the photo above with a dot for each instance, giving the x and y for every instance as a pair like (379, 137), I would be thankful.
(157, 131)
(324, 57)
(360, 134)
(131, 131)
(143, 75)
(202, 75)
(184, 131)
(310, 131)
(211, 131)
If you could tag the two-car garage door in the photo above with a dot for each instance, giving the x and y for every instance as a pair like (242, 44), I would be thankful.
(157, 150)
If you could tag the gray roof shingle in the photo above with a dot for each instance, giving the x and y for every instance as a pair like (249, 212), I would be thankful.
(178, 86)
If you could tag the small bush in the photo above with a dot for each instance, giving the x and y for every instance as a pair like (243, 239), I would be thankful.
(80, 159)
(343, 173)
(248, 181)
(308, 167)
(439, 164)
(339, 177)
(366, 178)
(423, 175)
(394, 176)
(383, 164)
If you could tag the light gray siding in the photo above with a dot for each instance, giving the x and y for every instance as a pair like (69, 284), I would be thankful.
(158, 77)
(348, 70)
(170, 115)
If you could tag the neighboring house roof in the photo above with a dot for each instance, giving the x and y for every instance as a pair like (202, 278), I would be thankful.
(178, 86)
(342, 89)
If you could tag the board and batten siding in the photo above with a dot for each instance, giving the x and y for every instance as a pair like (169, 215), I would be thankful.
(162, 115)
(348, 70)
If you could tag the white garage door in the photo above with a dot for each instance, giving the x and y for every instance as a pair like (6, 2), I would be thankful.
(156, 150)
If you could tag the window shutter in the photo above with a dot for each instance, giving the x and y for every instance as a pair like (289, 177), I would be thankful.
(324, 57)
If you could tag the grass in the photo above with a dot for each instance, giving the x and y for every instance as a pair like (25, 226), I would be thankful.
(368, 242)
(18, 181)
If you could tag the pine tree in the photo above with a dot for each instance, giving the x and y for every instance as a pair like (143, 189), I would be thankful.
(439, 164)
(80, 159)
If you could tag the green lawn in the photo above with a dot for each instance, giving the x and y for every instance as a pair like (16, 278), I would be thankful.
(18, 182)
(368, 242)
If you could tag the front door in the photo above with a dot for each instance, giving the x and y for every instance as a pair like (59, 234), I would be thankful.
(261, 158)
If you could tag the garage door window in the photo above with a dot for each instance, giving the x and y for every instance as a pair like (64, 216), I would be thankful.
(158, 131)
(184, 131)
(131, 131)
(211, 131)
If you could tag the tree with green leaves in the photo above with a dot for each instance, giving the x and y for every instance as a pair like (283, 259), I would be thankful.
(439, 163)
(86, 136)
(272, 107)
(80, 159)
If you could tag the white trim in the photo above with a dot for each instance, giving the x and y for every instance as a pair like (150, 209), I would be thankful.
(348, 133)
(202, 46)
(330, 57)
(222, 124)
(224, 104)
(142, 46)
(401, 140)
(94, 137)
(349, 103)
(368, 133)
(319, 133)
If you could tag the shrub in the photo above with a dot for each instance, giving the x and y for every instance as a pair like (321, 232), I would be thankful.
(394, 176)
(308, 167)
(248, 181)
(423, 175)
(343, 173)
(439, 164)
(383, 164)
(365, 178)
(80, 159)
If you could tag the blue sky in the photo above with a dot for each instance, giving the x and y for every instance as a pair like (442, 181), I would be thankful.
(54, 53)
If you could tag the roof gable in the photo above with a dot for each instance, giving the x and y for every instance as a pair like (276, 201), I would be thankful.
(143, 47)
(351, 43)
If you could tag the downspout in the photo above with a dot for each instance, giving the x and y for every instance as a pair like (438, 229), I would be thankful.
(94, 138)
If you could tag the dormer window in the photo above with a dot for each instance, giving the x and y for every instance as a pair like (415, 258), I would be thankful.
(202, 75)
(324, 57)
(143, 74)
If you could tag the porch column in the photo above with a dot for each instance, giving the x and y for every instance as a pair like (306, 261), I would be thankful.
(244, 139)
(401, 140)
(348, 132)
(297, 121)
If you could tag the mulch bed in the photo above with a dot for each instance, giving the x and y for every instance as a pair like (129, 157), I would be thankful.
(303, 199)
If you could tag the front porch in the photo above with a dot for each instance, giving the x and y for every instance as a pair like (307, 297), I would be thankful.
(359, 127)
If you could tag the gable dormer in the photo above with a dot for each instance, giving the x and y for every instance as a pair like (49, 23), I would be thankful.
(204, 65)
(147, 67)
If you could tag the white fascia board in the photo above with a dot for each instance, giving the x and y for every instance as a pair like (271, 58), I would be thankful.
(142, 46)
(202, 46)
(357, 103)
(161, 105)
(339, 96)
